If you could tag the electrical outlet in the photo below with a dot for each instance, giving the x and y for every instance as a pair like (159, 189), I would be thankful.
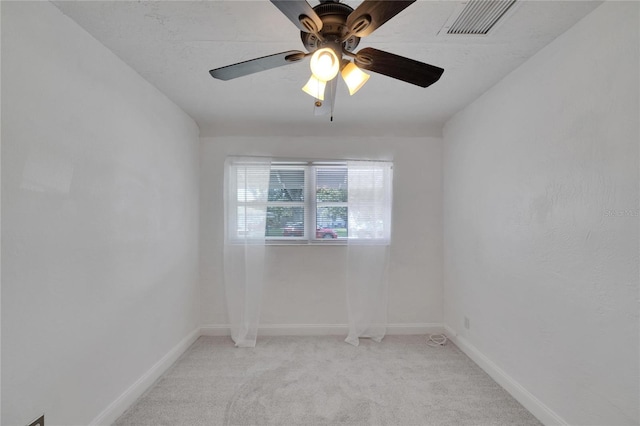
(467, 323)
(38, 422)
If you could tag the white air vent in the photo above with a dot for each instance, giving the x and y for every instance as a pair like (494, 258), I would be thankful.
(476, 17)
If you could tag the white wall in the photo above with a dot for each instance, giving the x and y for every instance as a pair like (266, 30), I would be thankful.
(541, 221)
(299, 292)
(99, 221)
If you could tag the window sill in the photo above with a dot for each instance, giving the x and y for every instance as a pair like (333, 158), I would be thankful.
(305, 243)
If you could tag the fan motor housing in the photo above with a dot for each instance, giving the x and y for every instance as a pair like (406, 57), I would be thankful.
(334, 26)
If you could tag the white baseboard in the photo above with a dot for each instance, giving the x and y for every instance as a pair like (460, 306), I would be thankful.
(129, 396)
(418, 328)
(543, 413)
(528, 400)
(124, 401)
(320, 329)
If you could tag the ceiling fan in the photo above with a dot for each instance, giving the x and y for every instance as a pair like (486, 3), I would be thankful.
(330, 32)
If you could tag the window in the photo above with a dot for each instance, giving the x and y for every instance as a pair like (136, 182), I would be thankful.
(331, 201)
(318, 202)
(286, 204)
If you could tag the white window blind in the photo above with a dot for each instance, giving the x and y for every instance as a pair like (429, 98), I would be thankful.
(319, 202)
(331, 200)
(286, 207)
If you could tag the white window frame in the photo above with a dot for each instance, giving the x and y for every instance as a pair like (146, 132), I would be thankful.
(310, 205)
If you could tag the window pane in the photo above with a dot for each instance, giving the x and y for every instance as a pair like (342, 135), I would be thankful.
(285, 222)
(331, 222)
(286, 185)
(331, 184)
(249, 221)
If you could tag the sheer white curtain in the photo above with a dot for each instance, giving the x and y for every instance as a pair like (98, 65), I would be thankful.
(369, 231)
(245, 201)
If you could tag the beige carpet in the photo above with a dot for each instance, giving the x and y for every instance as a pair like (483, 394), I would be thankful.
(321, 380)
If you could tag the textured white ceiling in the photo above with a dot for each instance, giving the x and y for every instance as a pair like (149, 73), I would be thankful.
(173, 45)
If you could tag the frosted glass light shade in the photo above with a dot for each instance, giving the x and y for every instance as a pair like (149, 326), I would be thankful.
(315, 88)
(354, 77)
(325, 64)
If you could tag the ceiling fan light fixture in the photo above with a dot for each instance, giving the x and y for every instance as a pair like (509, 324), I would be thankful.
(315, 88)
(354, 77)
(325, 64)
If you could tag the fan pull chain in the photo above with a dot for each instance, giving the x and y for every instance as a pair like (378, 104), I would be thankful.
(333, 101)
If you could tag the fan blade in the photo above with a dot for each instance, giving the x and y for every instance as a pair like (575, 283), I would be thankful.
(256, 65)
(371, 14)
(398, 67)
(296, 11)
(329, 99)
